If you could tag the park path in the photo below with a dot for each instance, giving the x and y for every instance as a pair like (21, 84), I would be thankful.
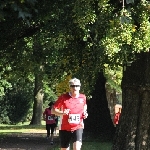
(33, 140)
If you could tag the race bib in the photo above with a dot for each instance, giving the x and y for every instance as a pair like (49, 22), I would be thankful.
(50, 118)
(74, 118)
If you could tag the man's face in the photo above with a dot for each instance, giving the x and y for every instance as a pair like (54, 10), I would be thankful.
(74, 88)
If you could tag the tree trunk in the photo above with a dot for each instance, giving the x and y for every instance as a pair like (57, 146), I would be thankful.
(38, 89)
(38, 101)
(133, 132)
(112, 101)
(99, 119)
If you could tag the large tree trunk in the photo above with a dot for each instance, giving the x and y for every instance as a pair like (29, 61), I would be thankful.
(99, 119)
(38, 89)
(133, 132)
(38, 101)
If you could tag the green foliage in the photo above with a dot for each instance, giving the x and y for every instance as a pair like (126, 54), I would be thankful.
(114, 78)
(128, 33)
(4, 114)
(68, 41)
(17, 113)
(77, 37)
(16, 103)
(4, 83)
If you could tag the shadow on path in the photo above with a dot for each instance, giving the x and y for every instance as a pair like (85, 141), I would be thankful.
(27, 141)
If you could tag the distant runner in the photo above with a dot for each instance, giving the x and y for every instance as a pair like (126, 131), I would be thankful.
(50, 121)
(117, 117)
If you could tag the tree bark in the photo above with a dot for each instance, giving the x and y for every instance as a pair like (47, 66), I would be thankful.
(99, 119)
(38, 89)
(38, 101)
(133, 132)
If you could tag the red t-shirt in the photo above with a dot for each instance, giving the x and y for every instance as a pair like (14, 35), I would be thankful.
(74, 120)
(50, 118)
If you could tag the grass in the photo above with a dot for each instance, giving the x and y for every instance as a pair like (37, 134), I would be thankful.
(20, 128)
(92, 146)
(98, 145)
(90, 142)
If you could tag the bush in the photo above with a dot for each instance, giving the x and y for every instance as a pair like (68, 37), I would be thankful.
(15, 107)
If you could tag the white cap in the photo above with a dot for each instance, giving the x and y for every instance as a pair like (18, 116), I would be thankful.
(74, 81)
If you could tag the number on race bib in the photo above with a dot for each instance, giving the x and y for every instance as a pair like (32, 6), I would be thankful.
(74, 118)
(50, 118)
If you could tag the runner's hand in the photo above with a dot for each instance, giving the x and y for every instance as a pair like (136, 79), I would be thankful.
(85, 115)
(66, 111)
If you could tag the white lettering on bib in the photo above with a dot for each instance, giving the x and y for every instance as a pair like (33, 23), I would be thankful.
(74, 118)
(50, 118)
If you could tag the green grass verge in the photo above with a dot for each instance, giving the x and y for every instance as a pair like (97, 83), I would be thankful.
(98, 145)
(91, 146)
(20, 128)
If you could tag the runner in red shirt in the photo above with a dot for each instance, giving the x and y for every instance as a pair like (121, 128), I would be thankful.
(117, 117)
(72, 109)
(50, 121)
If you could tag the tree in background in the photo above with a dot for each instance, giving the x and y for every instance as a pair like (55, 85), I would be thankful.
(99, 119)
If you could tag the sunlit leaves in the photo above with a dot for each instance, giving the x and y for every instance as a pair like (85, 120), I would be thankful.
(80, 36)
(118, 36)
(114, 77)
(127, 36)
(84, 14)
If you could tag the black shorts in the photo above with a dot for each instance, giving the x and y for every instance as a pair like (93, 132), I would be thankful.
(67, 136)
(50, 127)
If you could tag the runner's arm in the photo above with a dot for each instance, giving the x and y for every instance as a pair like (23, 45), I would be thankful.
(85, 114)
(57, 112)
(85, 107)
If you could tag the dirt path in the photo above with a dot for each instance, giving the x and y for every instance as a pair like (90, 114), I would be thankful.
(33, 140)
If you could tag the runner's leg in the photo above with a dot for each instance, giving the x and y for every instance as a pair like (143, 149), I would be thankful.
(65, 137)
(48, 130)
(77, 139)
(52, 131)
